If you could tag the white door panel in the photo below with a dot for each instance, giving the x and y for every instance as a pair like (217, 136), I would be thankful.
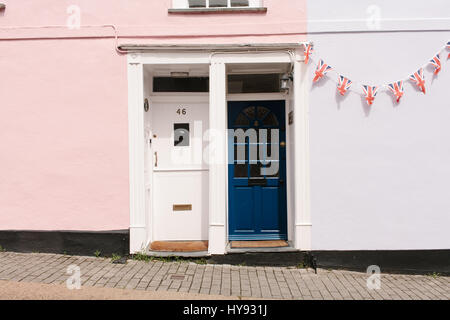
(175, 188)
(180, 175)
(169, 156)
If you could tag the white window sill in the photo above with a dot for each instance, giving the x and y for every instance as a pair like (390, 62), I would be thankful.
(220, 10)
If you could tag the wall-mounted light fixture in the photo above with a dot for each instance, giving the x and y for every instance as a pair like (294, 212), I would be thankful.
(146, 105)
(284, 82)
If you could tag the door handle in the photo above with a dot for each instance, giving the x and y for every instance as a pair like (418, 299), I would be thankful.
(156, 159)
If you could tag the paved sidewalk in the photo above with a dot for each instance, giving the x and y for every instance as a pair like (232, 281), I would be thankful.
(12, 290)
(224, 280)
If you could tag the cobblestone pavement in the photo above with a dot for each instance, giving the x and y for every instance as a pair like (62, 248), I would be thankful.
(243, 281)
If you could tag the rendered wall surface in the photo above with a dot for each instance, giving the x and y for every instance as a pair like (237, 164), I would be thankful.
(64, 107)
(380, 175)
(63, 133)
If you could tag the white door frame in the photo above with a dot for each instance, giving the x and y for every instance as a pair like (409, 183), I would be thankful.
(218, 191)
(136, 145)
(303, 224)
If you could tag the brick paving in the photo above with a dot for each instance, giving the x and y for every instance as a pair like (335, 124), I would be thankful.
(227, 280)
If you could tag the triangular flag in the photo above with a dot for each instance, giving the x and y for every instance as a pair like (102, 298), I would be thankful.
(344, 84)
(308, 51)
(436, 62)
(321, 70)
(419, 79)
(397, 89)
(448, 48)
(370, 93)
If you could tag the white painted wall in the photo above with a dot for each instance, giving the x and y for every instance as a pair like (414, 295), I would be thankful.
(380, 175)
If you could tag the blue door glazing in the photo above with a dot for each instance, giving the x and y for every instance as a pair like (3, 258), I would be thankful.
(257, 183)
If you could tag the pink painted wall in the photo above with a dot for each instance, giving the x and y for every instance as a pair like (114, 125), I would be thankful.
(150, 21)
(63, 133)
(63, 109)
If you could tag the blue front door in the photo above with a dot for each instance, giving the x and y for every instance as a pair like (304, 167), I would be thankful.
(257, 183)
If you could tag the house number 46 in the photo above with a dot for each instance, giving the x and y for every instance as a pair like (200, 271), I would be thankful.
(181, 111)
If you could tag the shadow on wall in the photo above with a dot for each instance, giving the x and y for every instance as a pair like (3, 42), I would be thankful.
(366, 108)
(339, 98)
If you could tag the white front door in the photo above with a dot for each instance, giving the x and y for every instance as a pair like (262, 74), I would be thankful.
(180, 175)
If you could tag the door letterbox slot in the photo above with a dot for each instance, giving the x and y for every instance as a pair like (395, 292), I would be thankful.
(182, 207)
(257, 182)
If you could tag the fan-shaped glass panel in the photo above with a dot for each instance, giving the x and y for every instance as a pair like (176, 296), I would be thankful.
(270, 120)
(242, 120)
(262, 112)
(250, 112)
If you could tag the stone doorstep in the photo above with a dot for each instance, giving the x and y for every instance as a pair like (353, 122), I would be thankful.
(259, 244)
(179, 246)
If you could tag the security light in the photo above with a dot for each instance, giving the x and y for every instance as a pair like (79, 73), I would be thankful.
(284, 82)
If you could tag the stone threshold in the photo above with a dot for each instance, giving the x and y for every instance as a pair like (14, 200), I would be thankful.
(179, 246)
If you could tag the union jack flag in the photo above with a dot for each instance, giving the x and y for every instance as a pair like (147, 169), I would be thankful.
(448, 48)
(397, 89)
(370, 93)
(419, 79)
(308, 51)
(436, 62)
(322, 69)
(344, 84)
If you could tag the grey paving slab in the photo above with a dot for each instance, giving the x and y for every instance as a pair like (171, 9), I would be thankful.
(245, 281)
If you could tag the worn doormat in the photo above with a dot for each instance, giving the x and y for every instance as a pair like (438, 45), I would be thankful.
(179, 246)
(259, 244)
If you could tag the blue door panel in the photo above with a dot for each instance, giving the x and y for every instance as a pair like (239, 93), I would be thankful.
(269, 221)
(257, 201)
(243, 203)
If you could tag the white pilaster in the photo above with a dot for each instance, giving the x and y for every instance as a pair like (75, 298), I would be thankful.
(302, 219)
(136, 155)
(217, 158)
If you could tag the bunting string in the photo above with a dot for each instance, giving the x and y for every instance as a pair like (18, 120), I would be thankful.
(344, 84)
